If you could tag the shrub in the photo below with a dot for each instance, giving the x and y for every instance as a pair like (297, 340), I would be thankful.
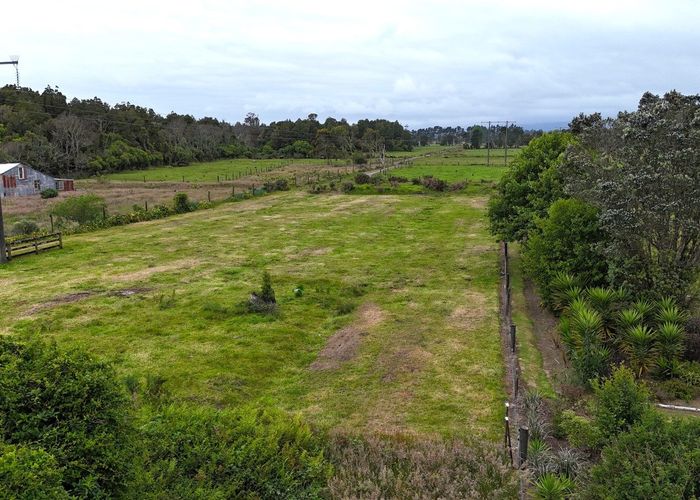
(49, 193)
(348, 187)
(276, 185)
(580, 431)
(200, 452)
(676, 389)
(81, 209)
(619, 402)
(181, 203)
(429, 182)
(70, 405)
(359, 159)
(655, 458)
(362, 178)
(403, 466)
(264, 301)
(28, 473)
(24, 228)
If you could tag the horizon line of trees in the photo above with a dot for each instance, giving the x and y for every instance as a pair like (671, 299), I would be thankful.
(476, 136)
(82, 137)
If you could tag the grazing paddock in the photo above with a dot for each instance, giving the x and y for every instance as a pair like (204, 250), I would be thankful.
(456, 164)
(396, 329)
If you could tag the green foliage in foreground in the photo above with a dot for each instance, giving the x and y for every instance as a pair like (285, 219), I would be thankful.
(656, 458)
(200, 452)
(71, 406)
(29, 473)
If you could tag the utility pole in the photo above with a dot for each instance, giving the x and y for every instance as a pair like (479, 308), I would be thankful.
(506, 144)
(14, 60)
(488, 146)
(488, 140)
(3, 251)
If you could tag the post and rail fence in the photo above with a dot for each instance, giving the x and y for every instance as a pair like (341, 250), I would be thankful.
(32, 244)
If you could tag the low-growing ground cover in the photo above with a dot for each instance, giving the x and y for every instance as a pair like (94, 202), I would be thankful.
(396, 327)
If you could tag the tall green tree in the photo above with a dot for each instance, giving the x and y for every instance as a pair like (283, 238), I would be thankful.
(529, 187)
(642, 171)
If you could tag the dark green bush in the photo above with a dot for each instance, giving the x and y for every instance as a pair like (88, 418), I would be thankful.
(566, 240)
(363, 178)
(24, 228)
(655, 458)
(71, 406)
(620, 402)
(29, 474)
(347, 187)
(359, 159)
(81, 209)
(49, 193)
(198, 452)
(181, 203)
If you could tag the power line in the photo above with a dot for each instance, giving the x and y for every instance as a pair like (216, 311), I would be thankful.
(488, 138)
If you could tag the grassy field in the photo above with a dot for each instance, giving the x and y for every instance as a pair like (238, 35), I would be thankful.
(457, 164)
(208, 171)
(397, 328)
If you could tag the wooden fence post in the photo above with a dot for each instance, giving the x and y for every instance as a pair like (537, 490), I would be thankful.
(523, 435)
(209, 196)
(51, 219)
(512, 338)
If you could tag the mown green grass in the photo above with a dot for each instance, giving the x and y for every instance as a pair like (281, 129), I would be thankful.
(208, 171)
(530, 356)
(163, 299)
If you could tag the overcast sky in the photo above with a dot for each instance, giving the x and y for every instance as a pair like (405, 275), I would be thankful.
(419, 62)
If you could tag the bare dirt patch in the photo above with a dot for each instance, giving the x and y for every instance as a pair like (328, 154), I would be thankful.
(57, 301)
(344, 344)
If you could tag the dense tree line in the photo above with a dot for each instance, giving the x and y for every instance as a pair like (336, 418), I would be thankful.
(476, 136)
(89, 136)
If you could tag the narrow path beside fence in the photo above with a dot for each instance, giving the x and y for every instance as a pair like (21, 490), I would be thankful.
(515, 425)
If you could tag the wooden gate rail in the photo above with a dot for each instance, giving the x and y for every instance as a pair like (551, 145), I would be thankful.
(33, 244)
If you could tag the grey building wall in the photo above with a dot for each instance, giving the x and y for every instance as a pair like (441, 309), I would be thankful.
(29, 185)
